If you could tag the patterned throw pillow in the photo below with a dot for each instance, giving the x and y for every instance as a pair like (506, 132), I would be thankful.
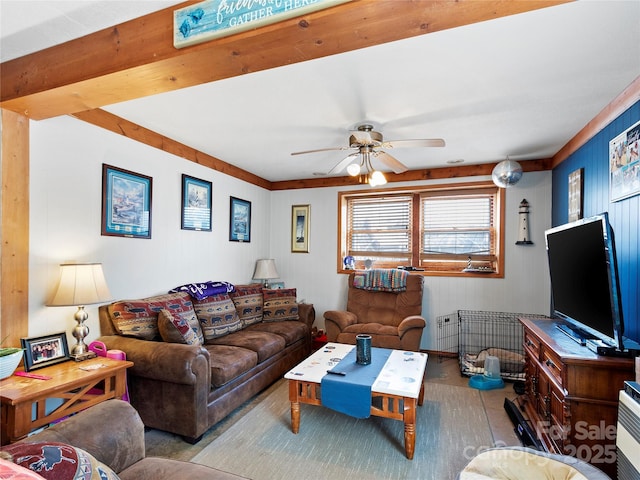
(58, 461)
(180, 328)
(217, 316)
(248, 301)
(139, 318)
(280, 305)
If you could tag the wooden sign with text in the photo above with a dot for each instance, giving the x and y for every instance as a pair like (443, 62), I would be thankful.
(218, 18)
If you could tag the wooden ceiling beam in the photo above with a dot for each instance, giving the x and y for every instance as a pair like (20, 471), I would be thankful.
(137, 58)
(412, 175)
(113, 123)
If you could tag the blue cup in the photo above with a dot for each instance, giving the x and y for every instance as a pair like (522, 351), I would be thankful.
(363, 349)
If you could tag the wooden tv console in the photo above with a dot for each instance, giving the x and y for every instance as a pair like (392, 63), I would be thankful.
(571, 394)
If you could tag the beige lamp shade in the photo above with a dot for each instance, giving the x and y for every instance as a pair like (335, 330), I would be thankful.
(81, 284)
(265, 270)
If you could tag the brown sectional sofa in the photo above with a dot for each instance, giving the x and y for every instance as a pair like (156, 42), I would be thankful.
(186, 389)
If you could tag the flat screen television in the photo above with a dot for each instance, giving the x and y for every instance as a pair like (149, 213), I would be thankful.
(585, 290)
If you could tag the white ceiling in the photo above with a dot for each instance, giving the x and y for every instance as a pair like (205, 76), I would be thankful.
(520, 86)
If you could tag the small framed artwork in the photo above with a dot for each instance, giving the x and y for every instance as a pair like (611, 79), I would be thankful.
(44, 351)
(624, 164)
(239, 220)
(126, 203)
(196, 204)
(576, 185)
(276, 285)
(300, 228)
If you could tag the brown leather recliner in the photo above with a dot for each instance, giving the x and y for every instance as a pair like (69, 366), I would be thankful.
(392, 319)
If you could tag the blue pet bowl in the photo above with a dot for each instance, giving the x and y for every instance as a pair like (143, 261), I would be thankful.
(485, 383)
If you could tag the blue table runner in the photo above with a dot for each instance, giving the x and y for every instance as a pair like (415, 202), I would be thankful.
(351, 393)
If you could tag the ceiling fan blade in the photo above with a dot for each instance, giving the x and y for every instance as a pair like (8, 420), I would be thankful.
(321, 150)
(425, 142)
(338, 167)
(390, 162)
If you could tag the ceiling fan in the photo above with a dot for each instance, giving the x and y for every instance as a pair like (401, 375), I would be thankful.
(367, 142)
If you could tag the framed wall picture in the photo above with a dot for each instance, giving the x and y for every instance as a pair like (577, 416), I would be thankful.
(126, 203)
(44, 351)
(300, 228)
(576, 185)
(239, 220)
(196, 204)
(624, 164)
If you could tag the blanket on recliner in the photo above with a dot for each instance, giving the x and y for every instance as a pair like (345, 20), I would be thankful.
(381, 280)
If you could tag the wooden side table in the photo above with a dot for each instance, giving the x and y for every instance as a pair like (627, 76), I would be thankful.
(79, 385)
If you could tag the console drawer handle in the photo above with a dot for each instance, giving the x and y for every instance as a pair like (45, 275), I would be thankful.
(550, 364)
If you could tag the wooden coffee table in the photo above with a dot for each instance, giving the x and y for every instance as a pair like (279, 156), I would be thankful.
(399, 386)
(75, 384)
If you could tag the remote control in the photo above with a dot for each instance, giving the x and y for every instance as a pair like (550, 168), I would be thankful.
(342, 374)
(32, 375)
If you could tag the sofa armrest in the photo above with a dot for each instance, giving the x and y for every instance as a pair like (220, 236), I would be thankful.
(306, 314)
(335, 321)
(413, 321)
(410, 332)
(111, 431)
(167, 362)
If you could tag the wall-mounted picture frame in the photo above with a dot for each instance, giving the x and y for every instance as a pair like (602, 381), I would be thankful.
(300, 228)
(239, 220)
(576, 186)
(44, 351)
(196, 204)
(126, 203)
(624, 164)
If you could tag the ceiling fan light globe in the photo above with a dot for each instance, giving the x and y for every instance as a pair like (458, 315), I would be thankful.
(377, 178)
(353, 169)
(506, 174)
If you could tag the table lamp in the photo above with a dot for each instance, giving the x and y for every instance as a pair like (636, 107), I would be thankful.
(265, 271)
(80, 284)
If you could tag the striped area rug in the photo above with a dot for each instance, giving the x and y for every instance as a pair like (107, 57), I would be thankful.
(452, 427)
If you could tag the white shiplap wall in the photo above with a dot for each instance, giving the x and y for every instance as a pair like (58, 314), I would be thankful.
(66, 194)
(65, 205)
(525, 287)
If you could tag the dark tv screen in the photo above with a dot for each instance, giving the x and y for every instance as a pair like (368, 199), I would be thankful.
(584, 279)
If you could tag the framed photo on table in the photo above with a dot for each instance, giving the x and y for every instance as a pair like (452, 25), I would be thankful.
(196, 204)
(239, 220)
(126, 203)
(300, 228)
(44, 351)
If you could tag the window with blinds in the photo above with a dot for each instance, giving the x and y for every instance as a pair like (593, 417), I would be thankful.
(380, 229)
(445, 230)
(458, 229)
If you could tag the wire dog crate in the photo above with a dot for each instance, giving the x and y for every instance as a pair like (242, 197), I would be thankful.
(448, 334)
(474, 335)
